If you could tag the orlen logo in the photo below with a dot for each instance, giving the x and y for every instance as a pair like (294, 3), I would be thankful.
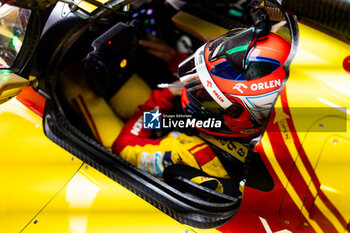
(257, 86)
(210, 85)
(265, 85)
(238, 87)
(217, 95)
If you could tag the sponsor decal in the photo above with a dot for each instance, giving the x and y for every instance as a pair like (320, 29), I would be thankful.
(238, 87)
(258, 86)
(152, 163)
(209, 84)
(207, 80)
(201, 179)
(218, 96)
(236, 149)
(151, 120)
(137, 127)
(268, 229)
(265, 85)
(155, 164)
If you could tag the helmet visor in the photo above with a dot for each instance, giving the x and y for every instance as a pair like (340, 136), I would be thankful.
(197, 81)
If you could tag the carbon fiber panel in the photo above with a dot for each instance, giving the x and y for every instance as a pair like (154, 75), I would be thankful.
(186, 210)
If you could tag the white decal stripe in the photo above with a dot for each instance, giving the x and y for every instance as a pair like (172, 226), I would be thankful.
(268, 229)
(347, 111)
(205, 77)
(266, 226)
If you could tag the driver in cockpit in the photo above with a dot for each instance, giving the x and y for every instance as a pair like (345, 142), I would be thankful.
(235, 80)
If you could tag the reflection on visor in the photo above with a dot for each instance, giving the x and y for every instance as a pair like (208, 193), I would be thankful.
(187, 67)
(197, 108)
(13, 25)
(194, 87)
(226, 71)
(257, 67)
(260, 67)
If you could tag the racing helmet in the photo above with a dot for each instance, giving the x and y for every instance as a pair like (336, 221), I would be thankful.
(235, 79)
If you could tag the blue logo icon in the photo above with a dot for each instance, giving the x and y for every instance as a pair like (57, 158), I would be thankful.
(151, 120)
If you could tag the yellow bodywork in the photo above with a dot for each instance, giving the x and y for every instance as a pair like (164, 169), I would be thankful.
(46, 189)
(91, 202)
(318, 94)
(32, 170)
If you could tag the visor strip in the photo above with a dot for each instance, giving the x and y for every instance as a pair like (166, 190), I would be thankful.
(207, 81)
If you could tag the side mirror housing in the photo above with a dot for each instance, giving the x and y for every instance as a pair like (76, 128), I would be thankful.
(10, 85)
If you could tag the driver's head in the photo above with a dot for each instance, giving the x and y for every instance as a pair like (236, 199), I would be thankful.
(235, 79)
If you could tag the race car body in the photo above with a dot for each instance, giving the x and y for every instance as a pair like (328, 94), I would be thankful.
(58, 173)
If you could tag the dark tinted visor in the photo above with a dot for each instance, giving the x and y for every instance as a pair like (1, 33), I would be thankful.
(194, 87)
(257, 67)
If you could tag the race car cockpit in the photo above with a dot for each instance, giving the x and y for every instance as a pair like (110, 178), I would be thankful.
(98, 73)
